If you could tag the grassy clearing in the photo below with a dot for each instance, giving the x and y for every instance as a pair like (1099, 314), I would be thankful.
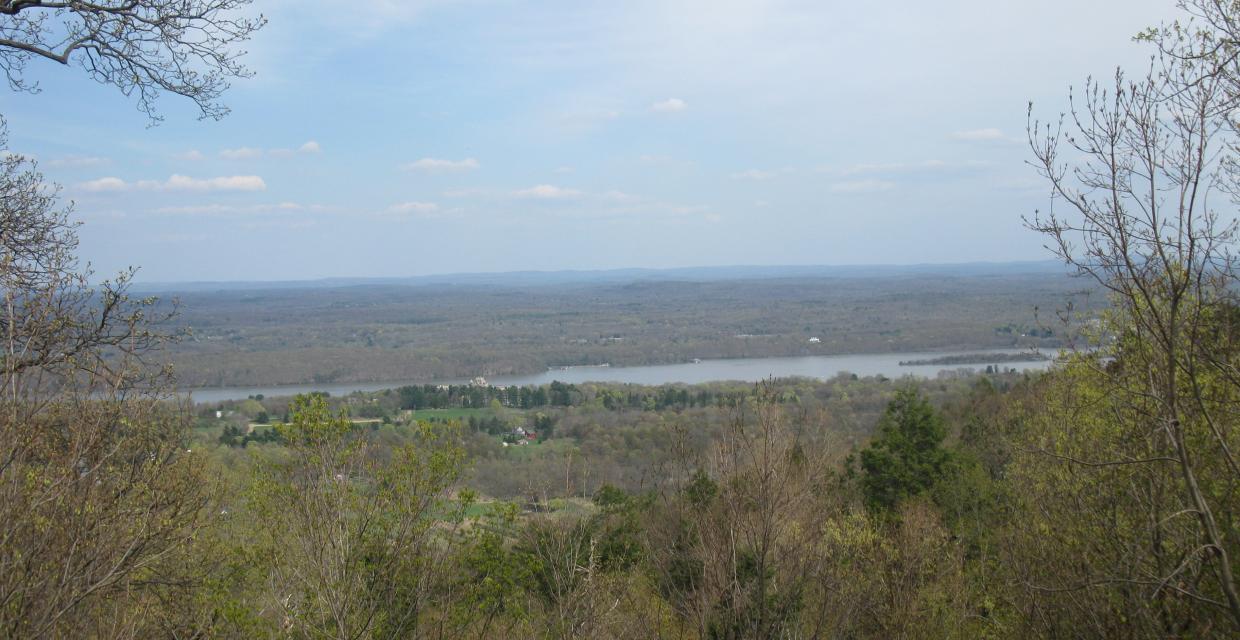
(557, 446)
(449, 414)
(556, 506)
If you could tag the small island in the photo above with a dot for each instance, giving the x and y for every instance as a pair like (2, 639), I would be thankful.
(978, 358)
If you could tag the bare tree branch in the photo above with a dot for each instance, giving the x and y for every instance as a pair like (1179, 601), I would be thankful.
(142, 47)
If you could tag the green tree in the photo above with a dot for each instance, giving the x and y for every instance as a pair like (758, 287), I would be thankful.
(1142, 169)
(356, 544)
(907, 457)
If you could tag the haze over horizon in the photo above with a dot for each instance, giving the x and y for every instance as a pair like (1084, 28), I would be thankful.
(442, 137)
(630, 274)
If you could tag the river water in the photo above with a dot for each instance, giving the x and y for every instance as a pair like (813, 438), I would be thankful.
(742, 369)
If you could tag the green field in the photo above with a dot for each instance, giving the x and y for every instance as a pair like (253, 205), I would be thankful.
(558, 446)
(450, 414)
(564, 506)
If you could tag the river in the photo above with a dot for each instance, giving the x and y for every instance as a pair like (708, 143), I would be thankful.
(743, 369)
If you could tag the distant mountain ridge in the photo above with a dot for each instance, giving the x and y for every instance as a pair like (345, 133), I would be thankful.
(604, 276)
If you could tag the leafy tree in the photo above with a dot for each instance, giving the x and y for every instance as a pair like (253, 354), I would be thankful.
(1143, 169)
(353, 544)
(906, 457)
(492, 579)
(250, 408)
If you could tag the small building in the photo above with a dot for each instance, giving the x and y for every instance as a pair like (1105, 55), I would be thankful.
(814, 340)
(519, 436)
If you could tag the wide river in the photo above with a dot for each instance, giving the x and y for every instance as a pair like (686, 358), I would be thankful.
(743, 369)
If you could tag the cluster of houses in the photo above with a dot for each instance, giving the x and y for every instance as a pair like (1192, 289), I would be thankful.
(519, 436)
(474, 382)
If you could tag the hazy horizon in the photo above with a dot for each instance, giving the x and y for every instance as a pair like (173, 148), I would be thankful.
(709, 271)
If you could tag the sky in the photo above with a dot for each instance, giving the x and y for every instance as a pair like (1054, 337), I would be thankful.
(413, 137)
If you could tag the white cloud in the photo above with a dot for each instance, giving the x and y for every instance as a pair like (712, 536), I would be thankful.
(309, 147)
(547, 192)
(439, 164)
(208, 209)
(224, 183)
(191, 155)
(671, 105)
(77, 162)
(177, 182)
(862, 186)
(564, 170)
(979, 135)
(414, 209)
(242, 153)
(104, 184)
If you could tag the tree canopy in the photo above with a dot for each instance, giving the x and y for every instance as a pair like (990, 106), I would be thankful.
(906, 456)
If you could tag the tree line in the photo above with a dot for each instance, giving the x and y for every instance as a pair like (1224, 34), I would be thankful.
(556, 394)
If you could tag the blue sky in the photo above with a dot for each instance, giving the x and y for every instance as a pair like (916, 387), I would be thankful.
(433, 136)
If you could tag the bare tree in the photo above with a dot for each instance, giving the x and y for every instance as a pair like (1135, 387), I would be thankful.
(1208, 39)
(735, 543)
(1139, 174)
(99, 496)
(568, 577)
(97, 492)
(142, 47)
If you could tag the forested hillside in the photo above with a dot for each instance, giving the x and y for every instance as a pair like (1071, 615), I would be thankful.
(382, 333)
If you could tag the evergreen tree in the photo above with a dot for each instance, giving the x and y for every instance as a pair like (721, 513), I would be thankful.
(907, 456)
